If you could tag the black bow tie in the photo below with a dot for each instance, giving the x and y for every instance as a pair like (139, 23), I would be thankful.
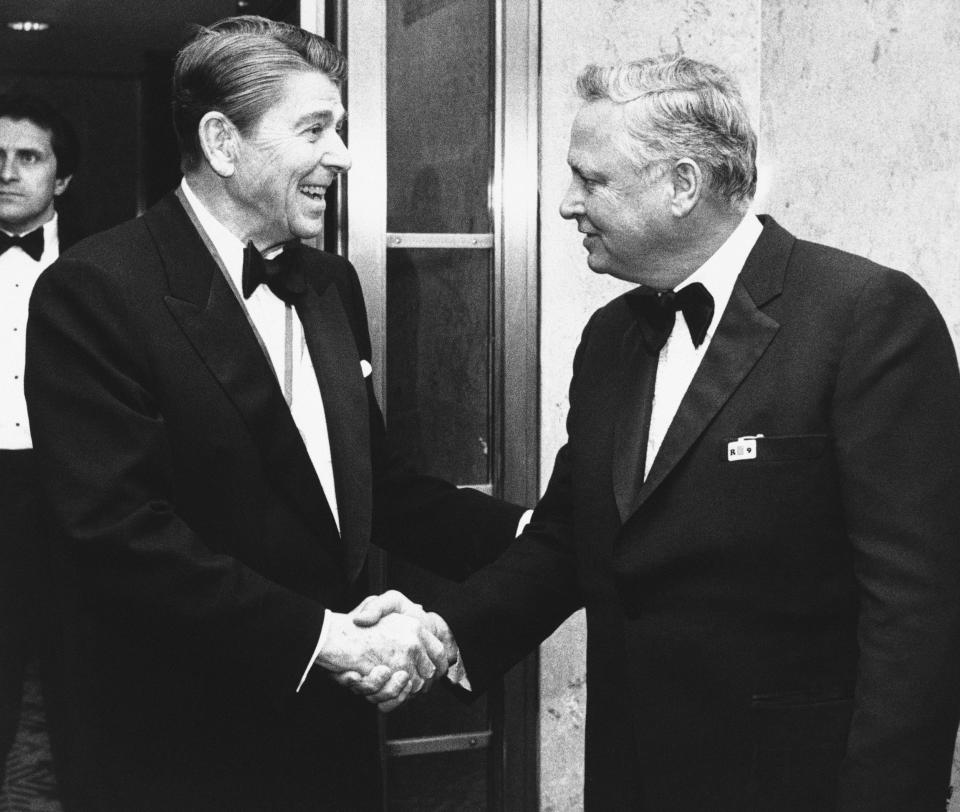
(656, 313)
(32, 243)
(282, 274)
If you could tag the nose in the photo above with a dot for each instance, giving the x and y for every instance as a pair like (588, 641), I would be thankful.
(337, 157)
(8, 170)
(572, 204)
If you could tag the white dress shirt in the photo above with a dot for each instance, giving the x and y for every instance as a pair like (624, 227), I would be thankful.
(18, 274)
(679, 359)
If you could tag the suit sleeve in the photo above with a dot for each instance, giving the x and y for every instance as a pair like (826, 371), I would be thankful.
(896, 416)
(448, 530)
(110, 484)
(505, 610)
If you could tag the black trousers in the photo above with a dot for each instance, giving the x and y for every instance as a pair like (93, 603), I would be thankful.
(29, 627)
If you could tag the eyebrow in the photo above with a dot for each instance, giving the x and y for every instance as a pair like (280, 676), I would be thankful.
(324, 117)
(21, 150)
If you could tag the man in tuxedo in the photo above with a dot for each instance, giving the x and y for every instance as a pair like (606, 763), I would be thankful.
(216, 467)
(38, 156)
(757, 502)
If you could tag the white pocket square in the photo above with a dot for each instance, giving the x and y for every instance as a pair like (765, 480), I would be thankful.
(365, 368)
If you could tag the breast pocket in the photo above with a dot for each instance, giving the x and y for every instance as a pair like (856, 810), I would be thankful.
(759, 448)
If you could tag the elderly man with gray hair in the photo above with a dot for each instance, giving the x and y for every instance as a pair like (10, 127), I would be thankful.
(757, 502)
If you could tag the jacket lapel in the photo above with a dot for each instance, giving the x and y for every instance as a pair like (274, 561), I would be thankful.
(637, 379)
(207, 310)
(743, 335)
(343, 389)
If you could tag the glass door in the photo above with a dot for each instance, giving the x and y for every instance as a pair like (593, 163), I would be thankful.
(438, 215)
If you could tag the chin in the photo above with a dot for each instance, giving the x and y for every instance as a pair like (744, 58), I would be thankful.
(307, 231)
(596, 264)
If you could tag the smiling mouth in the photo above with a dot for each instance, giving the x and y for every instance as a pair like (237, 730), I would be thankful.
(313, 192)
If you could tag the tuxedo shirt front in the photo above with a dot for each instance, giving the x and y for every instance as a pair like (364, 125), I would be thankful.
(18, 274)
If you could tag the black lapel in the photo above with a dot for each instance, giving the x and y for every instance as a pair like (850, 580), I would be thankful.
(637, 370)
(208, 312)
(742, 336)
(342, 387)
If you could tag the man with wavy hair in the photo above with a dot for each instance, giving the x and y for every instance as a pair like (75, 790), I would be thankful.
(216, 466)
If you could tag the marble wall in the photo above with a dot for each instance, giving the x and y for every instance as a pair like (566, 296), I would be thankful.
(858, 142)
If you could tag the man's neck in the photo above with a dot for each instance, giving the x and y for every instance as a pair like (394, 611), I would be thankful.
(210, 189)
(19, 229)
(697, 239)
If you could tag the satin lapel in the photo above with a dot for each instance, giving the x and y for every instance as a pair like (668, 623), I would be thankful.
(214, 322)
(342, 387)
(638, 372)
(744, 333)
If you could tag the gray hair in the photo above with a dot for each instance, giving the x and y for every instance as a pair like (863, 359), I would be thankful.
(236, 67)
(676, 107)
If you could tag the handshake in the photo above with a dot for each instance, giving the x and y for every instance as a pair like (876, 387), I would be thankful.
(388, 649)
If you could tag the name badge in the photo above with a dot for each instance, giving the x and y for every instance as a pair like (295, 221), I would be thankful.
(743, 448)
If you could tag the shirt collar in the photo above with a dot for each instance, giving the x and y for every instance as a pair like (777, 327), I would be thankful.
(719, 273)
(51, 239)
(226, 244)
(49, 229)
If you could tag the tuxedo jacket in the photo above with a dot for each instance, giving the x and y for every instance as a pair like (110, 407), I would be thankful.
(777, 630)
(199, 549)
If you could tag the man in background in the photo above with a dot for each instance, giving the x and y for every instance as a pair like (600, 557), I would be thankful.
(216, 467)
(758, 500)
(38, 156)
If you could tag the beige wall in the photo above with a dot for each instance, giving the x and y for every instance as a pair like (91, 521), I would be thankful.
(855, 101)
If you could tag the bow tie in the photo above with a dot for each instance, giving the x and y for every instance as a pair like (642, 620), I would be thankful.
(656, 313)
(282, 274)
(32, 243)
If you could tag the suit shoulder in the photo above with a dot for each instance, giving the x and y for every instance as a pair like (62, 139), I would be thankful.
(112, 247)
(852, 289)
(841, 274)
(835, 264)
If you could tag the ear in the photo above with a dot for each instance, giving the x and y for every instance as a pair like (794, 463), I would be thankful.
(218, 140)
(688, 187)
(60, 185)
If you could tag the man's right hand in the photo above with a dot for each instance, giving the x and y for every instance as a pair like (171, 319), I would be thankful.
(377, 686)
(396, 656)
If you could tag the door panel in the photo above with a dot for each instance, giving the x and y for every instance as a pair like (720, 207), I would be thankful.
(442, 105)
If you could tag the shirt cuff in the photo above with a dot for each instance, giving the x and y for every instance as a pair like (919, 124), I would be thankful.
(524, 521)
(316, 652)
(457, 674)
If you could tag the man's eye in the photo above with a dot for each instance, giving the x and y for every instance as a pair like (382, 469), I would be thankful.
(29, 157)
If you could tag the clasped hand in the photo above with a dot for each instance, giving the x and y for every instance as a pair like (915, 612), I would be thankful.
(388, 649)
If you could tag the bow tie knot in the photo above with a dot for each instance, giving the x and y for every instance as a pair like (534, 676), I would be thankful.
(656, 313)
(282, 274)
(31, 243)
